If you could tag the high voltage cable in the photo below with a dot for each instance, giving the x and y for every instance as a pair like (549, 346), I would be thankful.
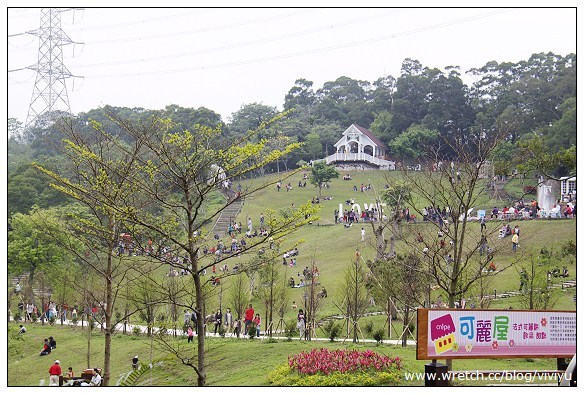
(237, 45)
(138, 22)
(312, 51)
(200, 30)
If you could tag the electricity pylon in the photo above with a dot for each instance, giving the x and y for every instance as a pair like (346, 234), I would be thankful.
(50, 91)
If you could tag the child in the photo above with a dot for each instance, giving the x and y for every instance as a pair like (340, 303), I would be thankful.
(257, 322)
(70, 372)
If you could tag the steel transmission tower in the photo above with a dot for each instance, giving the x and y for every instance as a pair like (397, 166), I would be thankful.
(50, 91)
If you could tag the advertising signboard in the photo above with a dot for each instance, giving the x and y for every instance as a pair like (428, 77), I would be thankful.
(490, 333)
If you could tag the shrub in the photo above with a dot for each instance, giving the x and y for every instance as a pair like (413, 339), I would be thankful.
(290, 330)
(163, 327)
(137, 331)
(379, 335)
(368, 328)
(569, 248)
(52, 320)
(332, 330)
(17, 316)
(75, 321)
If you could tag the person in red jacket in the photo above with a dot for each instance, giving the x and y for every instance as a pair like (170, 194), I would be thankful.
(249, 313)
(46, 348)
(54, 372)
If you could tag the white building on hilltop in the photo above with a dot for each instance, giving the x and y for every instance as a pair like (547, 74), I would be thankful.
(358, 145)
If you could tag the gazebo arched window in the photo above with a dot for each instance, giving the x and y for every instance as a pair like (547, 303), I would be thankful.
(353, 147)
(368, 149)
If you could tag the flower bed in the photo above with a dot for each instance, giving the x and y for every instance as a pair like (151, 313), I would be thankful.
(324, 367)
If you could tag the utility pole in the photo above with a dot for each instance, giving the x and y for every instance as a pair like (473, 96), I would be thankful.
(50, 91)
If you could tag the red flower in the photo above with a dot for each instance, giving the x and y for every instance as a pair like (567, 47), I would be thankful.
(495, 345)
(543, 321)
(325, 361)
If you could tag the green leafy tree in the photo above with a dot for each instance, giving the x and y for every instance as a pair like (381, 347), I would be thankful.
(103, 168)
(410, 144)
(175, 175)
(312, 148)
(322, 173)
(32, 249)
(252, 117)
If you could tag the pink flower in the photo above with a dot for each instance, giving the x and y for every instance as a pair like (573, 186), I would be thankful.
(512, 344)
(495, 345)
(543, 321)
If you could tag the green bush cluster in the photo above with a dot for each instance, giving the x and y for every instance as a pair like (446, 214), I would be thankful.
(284, 376)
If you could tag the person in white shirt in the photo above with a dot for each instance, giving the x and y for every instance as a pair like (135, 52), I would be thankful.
(95, 380)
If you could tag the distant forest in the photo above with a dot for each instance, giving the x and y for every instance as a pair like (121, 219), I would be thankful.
(534, 101)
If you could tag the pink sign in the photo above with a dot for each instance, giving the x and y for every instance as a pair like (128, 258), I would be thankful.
(491, 333)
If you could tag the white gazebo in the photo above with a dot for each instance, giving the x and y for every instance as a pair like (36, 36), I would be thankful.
(358, 144)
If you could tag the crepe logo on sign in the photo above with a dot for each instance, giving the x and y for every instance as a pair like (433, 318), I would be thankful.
(442, 333)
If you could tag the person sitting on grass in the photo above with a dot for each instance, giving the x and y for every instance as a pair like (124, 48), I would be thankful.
(46, 348)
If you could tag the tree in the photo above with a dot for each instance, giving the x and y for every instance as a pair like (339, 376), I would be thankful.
(402, 281)
(272, 288)
(396, 196)
(252, 117)
(322, 173)
(103, 169)
(32, 249)
(178, 174)
(301, 94)
(355, 294)
(312, 148)
(238, 296)
(449, 248)
(312, 299)
(410, 144)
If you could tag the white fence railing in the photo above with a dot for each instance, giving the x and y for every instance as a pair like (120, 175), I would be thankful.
(360, 156)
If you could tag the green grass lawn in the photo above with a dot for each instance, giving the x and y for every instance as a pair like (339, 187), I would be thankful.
(230, 362)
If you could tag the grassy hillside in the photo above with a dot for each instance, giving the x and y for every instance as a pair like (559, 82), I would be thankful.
(241, 363)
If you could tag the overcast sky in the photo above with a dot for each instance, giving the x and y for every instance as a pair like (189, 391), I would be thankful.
(223, 58)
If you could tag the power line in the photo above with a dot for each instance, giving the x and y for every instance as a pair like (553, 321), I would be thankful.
(239, 44)
(307, 52)
(199, 30)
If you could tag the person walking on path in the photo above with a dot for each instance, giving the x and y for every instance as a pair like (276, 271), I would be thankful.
(362, 234)
(249, 313)
(301, 323)
(187, 318)
(218, 321)
(228, 321)
(257, 322)
(190, 334)
(54, 373)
